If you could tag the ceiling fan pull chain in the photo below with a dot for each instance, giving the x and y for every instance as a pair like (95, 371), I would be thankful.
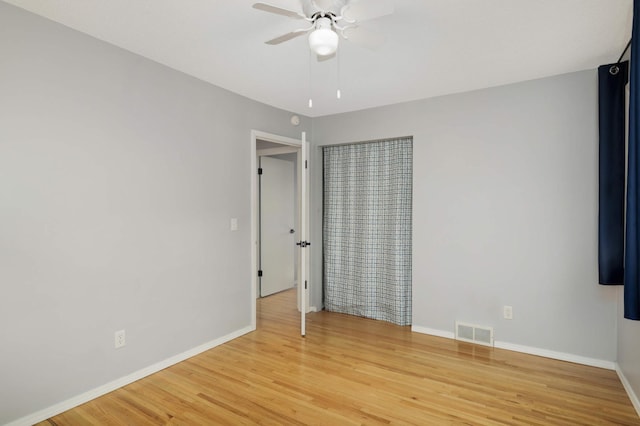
(310, 99)
(338, 94)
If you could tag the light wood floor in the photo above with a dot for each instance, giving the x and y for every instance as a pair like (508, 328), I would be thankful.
(356, 371)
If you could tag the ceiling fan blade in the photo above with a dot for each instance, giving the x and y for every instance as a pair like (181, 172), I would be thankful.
(365, 38)
(364, 10)
(287, 36)
(278, 10)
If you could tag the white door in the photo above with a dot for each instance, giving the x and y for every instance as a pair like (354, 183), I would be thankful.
(277, 219)
(303, 243)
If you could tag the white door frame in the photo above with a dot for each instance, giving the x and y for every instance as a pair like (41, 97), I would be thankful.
(288, 145)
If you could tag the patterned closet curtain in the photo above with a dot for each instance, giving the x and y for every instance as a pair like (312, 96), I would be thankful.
(367, 229)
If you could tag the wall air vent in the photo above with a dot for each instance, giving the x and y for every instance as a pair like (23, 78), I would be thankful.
(474, 334)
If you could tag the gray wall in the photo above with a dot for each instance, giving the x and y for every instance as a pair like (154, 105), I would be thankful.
(505, 210)
(118, 177)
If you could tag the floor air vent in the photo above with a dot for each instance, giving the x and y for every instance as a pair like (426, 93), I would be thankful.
(474, 334)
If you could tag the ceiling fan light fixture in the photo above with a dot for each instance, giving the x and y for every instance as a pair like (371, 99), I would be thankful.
(323, 40)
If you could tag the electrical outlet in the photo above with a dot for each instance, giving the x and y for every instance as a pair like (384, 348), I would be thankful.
(507, 312)
(233, 224)
(120, 339)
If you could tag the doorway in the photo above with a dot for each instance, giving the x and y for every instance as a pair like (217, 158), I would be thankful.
(269, 145)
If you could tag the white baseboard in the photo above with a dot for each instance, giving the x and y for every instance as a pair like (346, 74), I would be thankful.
(627, 387)
(433, 332)
(593, 362)
(123, 381)
(562, 356)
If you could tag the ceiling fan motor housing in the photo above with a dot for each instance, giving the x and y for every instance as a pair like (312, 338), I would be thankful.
(323, 40)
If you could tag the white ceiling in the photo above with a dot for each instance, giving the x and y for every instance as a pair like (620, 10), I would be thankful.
(434, 47)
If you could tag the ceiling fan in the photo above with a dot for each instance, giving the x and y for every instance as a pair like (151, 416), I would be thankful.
(329, 19)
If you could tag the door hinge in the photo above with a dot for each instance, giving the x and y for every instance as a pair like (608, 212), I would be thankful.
(305, 164)
(305, 284)
(260, 273)
(260, 170)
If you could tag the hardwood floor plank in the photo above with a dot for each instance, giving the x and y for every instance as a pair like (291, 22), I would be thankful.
(350, 370)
